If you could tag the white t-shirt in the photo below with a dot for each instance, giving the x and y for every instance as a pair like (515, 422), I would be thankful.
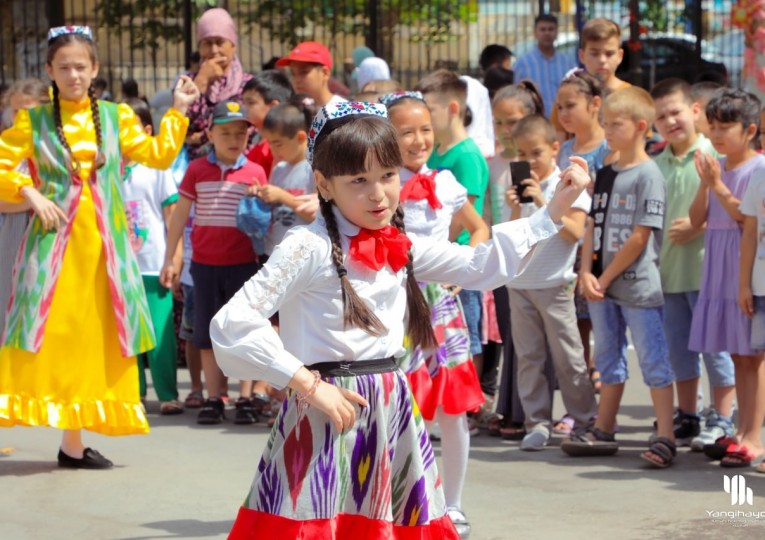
(335, 99)
(753, 204)
(295, 179)
(421, 219)
(481, 129)
(553, 262)
(146, 192)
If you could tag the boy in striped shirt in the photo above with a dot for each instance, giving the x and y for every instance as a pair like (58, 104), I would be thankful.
(223, 258)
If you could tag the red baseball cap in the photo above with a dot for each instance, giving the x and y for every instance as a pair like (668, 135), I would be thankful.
(308, 51)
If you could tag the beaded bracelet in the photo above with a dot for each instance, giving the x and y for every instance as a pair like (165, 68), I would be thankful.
(301, 398)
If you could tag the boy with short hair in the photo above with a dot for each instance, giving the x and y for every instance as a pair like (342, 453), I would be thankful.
(310, 64)
(682, 254)
(542, 298)
(264, 91)
(600, 52)
(446, 97)
(621, 281)
(702, 92)
(223, 258)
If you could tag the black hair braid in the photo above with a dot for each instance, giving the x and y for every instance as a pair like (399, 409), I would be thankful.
(419, 327)
(100, 160)
(355, 312)
(60, 130)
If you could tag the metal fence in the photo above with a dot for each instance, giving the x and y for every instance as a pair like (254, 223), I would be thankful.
(150, 40)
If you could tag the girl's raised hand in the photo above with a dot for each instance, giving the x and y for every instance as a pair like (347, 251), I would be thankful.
(573, 180)
(184, 94)
(337, 403)
(50, 214)
(708, 168)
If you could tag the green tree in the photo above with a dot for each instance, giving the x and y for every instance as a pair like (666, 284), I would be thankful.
(293, 21)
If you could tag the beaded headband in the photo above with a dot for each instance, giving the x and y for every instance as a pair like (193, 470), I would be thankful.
(333, 111)
(393, 97)
(59, 31)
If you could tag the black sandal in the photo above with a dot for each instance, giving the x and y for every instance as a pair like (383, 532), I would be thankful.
(580, 444)
(664, 449)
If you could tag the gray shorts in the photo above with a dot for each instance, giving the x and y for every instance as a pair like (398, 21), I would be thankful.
(758, 324)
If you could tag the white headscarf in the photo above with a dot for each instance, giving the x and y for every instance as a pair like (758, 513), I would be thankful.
(481, 129)
(372, 69)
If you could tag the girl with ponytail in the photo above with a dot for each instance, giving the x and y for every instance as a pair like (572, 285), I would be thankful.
(349, 455)
(78, 314)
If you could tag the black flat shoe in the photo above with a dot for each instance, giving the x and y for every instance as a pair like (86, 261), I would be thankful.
(91, 459)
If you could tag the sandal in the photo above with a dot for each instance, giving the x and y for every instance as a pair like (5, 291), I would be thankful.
(739, 456)
(595, 379)
(494, 425)
(590, 441)
(168, 408)
(194, 400)
(664, 449)
(719, 448)
(512, 432)
(564, 426)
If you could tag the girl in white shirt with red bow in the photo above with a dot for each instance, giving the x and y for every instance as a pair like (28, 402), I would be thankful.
(349, 455)
(443, 379)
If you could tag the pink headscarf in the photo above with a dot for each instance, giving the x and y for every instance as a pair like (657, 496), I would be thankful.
(217, 22)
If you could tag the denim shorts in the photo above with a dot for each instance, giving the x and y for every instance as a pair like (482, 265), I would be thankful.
(678, 313)
(758, 324)
(610, 322)
(472, 306)
(186, 331)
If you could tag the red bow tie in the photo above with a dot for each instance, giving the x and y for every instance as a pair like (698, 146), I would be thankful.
(421, 186)
(375, 248)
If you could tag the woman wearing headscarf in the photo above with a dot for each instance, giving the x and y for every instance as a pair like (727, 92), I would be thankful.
(220, 76)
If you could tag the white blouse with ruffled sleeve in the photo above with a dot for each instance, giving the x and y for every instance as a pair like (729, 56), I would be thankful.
(300, 281)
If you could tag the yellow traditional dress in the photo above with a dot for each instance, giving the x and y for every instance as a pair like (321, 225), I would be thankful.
(78, 375)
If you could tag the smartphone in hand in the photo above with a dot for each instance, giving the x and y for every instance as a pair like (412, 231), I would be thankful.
(520, 171)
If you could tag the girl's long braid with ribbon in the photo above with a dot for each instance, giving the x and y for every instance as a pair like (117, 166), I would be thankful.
(355, 311)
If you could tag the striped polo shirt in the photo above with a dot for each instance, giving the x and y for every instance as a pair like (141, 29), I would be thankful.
(216, 191)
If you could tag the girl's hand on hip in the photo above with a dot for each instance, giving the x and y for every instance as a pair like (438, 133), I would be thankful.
(337, 403)
(50, 214)
(184, 94)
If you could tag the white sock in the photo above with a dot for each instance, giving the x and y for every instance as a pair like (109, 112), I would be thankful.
(455, 450)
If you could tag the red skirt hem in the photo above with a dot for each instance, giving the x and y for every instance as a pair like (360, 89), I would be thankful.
(252, 524)
(456, 389)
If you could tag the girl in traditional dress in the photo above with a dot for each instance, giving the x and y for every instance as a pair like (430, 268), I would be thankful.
(349, 456)
(78, 314)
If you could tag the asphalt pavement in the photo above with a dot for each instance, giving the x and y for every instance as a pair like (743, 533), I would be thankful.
(187, 481)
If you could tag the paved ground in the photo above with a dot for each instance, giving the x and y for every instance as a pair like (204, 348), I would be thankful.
(186, 481)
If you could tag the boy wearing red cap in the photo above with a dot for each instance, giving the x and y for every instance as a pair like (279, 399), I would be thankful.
(310, 64)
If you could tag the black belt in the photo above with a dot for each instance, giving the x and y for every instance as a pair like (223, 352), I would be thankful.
(352, 369)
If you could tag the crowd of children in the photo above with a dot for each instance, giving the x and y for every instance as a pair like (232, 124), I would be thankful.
(293, 240)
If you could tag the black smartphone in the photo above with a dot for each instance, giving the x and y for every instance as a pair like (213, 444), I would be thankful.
(519, 171)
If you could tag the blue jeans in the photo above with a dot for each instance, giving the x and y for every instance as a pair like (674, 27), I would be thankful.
(472, 306)
(609, 325)
(678, 314)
